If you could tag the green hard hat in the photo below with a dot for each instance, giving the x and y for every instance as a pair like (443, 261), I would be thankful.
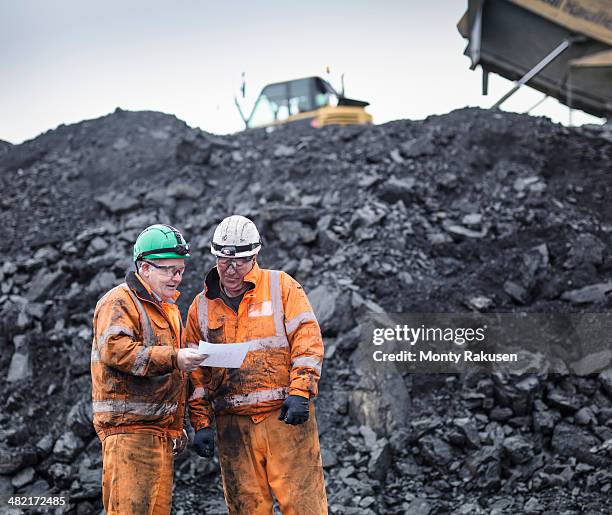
(160, 241)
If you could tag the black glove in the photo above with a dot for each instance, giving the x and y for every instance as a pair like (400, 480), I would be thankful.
(204, 442)
(294, 410)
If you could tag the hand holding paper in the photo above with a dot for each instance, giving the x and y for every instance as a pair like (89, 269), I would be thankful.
(225, 355)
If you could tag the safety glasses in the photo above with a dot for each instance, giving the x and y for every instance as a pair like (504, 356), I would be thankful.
(237, 263)
(167, 270)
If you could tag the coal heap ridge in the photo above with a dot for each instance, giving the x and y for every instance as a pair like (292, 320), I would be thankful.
(473, 210)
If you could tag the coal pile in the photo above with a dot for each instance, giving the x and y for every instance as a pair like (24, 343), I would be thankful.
(473, 210)
(4, 146)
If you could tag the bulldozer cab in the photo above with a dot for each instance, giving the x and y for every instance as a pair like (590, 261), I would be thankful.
(305, 101)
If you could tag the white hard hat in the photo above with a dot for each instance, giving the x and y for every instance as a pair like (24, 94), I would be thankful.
(236, 236)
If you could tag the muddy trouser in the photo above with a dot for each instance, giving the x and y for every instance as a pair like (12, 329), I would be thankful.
(137, 474)
(271, 458)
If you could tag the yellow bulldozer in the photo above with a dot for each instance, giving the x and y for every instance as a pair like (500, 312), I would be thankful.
(562, 48)
(308, 101)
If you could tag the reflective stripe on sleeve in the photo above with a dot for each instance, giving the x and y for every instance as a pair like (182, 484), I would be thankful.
(146, 409)
(113, 330)
(249, 399)
(277, 302)
(307, 362)
(272, 342)
(294, 323)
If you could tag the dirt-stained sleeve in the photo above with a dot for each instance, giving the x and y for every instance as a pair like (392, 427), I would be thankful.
(200, 408)
(305, 340)
(117, 343)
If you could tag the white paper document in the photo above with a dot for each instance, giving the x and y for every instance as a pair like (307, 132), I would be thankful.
(226, 355)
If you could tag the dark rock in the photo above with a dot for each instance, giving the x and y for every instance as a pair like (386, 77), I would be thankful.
(585, 417)
(418, 147)
(39, 488)
(6, 485)
(500, 414)
(380, 400)
(194, 148)
(552, 476)
(563, 402)
(61, 474)
(23, 477)
(117, 203)
(484, 468)
(533, 505)
(394, 189)
(97, 245)
(467, 428)
(279, 212)
(45, 285)
(324, 299)
(18, 436)
(545, 421)
(425, 425)
(291, 232)
(102, 282)
(328, 241)
(479, 302)
(88, 484)
(67, 447)
(460, 230)
(588, 294)
(605, 378)
(435, 451)
(14, 459)
(380, 461)
(520, 392)
(20, 368)
(284, 151)
(185, 190)
(518, 449)
(369, 437)
(420, 507)
(587, 249)
(573, 441)
(329, 457)
(516, 292)
(349, 341)
(80, 419)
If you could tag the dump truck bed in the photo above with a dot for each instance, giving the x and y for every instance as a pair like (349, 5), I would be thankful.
(510, 37)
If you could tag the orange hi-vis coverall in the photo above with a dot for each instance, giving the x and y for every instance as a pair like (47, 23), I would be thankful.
(260, 455)
(139, 396)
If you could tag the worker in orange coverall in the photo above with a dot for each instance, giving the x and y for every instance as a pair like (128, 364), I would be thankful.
(265, 423)
(139, 381)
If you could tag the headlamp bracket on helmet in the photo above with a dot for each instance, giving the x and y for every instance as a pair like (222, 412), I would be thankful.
(232, 250)
(182, 249)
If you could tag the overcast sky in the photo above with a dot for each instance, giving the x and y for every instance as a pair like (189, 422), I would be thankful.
(63, 61)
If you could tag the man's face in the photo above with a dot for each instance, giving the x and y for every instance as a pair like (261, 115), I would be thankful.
(232, 272)
(163, 275)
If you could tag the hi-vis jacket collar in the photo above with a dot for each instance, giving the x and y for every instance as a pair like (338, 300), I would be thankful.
(211, 283)
(138, 286)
